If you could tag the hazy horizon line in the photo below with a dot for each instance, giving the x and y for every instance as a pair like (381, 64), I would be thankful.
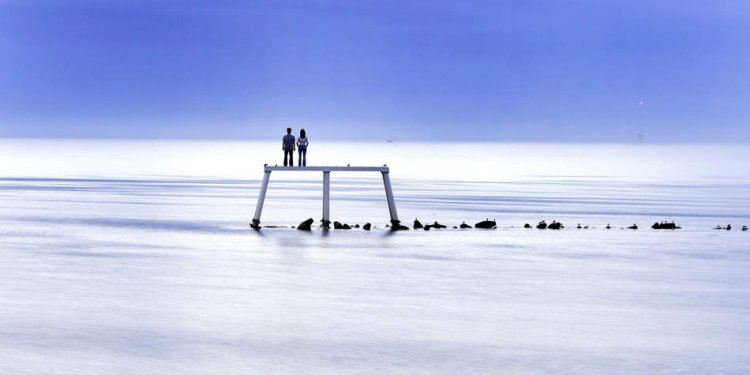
(383, 140)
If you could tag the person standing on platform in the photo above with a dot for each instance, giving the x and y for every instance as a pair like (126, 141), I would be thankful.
(287, 144)
(302, 143)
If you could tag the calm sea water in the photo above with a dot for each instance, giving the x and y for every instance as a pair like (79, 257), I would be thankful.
(136, 257)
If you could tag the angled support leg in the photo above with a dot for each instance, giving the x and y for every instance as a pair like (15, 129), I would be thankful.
(261, 198)
(326, 221)
(395, 222)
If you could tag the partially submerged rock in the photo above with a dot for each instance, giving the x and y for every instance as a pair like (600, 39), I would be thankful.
(542, 225)
(634, 226)
(486, 224)
(555, 225)
(417, 224)
(367, 226)
(665, 225)
(744, 228)
(396, 225)
(527, 226)
(337, 225)
(346, 226)
(306, 225)
(465, 226)
(437, 225)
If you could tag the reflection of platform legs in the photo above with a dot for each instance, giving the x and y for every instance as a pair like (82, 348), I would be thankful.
(326, 221)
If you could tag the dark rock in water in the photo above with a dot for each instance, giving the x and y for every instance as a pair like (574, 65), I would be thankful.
(337, 225)
(417, 224)
(346, 226)
(306, 225)
(427, 227)
(542, 225)
(634, 226)
(437, 225)
(555, 225)
(586, 227)
(608, 226)
(527, 225)
(367, 226)
(356, 225)
(486, 224)
(579, 226)
(466, 226)
(729, 227)
(744, 228)
(665, 225)
(396, 225)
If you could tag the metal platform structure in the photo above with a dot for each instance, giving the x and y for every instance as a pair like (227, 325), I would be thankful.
(326, 221)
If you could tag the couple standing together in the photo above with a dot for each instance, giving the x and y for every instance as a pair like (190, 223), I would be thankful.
(288, 145)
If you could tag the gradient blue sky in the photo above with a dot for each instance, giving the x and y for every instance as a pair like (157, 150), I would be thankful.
(527, 70)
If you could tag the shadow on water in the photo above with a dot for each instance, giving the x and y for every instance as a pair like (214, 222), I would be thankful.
(130, 223)
(282, 235)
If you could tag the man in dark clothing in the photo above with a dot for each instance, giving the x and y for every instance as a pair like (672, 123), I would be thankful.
(288, 146)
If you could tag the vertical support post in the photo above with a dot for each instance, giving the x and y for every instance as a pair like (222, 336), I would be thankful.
(261, 198)
(395, 222)
(326, 221)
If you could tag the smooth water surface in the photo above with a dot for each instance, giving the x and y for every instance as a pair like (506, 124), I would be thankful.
(125, 257)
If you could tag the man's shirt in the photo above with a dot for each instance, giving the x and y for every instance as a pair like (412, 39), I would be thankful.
(289, 142)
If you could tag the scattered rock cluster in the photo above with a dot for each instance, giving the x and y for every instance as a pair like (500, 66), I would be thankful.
(729, 227)
(486, 224)
(555, 225)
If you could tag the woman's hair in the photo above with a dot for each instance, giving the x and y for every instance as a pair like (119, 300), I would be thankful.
(302, 133)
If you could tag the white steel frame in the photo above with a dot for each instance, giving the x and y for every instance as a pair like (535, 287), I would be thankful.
(326, 221)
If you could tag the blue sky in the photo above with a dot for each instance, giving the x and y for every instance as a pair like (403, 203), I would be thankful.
(531, 70)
